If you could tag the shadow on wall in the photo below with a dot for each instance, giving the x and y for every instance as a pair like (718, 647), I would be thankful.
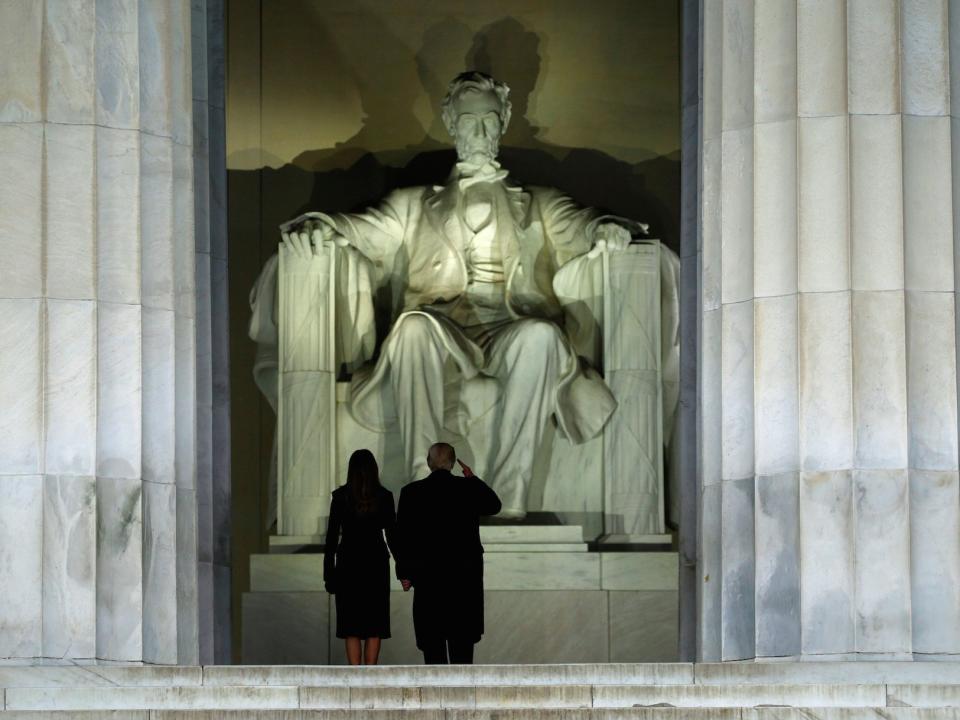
(350, 177)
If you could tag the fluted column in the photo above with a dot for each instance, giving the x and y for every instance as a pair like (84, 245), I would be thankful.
(829, 497)
(97, 331)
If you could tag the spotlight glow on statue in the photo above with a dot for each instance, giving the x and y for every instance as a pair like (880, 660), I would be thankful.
(473, 267)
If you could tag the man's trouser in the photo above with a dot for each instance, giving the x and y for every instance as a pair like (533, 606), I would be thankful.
(443, 651)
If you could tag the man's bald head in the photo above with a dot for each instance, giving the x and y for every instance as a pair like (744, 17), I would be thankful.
(441, 456)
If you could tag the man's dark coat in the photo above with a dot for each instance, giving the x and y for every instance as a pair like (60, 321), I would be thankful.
(440, 553)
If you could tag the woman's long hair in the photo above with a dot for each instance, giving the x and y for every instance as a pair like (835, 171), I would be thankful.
(363, 479)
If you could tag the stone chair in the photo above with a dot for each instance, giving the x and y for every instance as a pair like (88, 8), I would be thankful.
(621, 314)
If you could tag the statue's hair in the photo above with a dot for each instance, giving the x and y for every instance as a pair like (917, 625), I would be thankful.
(477, 81)
(441, 456)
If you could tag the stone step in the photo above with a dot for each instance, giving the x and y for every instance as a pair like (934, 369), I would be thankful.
(499, 714)
(332, 697)
(505, 714)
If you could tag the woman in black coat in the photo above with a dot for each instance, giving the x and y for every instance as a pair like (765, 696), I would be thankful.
(356, 568)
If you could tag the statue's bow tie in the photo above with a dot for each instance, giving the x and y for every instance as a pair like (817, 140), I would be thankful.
(472, 174)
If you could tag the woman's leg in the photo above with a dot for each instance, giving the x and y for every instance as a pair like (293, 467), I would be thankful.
(353, 650)
(371, 650)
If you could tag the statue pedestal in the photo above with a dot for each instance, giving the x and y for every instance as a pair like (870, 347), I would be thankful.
(550, 598)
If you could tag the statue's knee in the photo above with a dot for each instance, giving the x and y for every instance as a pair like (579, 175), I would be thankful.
(540, 334)
(414, 329)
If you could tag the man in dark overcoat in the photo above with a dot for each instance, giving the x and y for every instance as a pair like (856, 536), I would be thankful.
(441, 557)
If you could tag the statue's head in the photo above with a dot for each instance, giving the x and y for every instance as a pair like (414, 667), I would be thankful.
(476, 112)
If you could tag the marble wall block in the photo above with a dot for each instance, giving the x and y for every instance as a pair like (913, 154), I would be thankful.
(824, 207)
(736, 220)
(201, 173)
(159, 385)
(737, 61)
(68, 61)
(159, 573)
(156, 29)
(775, 62)
(198, 49)
(873, 56)
(710, 571)
(221, 614)
(775, 385)
(738, 569)
(882, 560)
(218, 182)
(118, 215)
(925, 57)
(711, 234)
(934, 561)
(184, 262)
(821, 58)
(185, 403)
(710, 411)
(70, 256)
(931, 381)
(826, 562)
(117, 64)
(216, 56)
(777, 537)
(156, 222)
(775, 207)
(188, 616)
(826, 382)
(118, 390)
(21, 380)
(21, 560)
(119, 569)
(20, 213)
(876, 202)
(711, 76)
(21, 34)
(538, 613)
(927, 204)
(301, 619)
(879, 380)
(69, 566)
(181, 66)
(737, 407)
(70, 387)
(205, 612)
(643, 626)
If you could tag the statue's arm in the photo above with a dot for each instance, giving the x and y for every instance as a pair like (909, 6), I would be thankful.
(376, 233)
(574, 230)
(263, 331)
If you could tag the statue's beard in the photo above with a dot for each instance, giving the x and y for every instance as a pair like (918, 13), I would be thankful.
(477, 152)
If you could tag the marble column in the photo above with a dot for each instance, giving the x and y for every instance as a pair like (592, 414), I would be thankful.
(829, 501)
(98, 555)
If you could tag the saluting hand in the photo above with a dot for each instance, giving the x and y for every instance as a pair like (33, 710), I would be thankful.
(467, 472)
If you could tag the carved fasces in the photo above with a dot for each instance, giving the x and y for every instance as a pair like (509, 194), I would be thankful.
(306, 433)
(633, 438)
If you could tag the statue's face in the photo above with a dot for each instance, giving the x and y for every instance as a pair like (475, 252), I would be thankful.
(478, 126)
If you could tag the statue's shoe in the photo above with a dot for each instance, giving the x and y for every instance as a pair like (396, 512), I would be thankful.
(508, 514)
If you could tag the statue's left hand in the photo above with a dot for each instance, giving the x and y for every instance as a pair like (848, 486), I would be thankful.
(611, 236)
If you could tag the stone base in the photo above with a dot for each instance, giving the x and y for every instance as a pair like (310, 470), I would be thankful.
(548, 600)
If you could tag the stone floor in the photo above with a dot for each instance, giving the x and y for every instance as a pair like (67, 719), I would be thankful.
(675, 691)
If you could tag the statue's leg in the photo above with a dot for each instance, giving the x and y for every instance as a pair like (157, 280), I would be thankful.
(417, 355)
(528, 357)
